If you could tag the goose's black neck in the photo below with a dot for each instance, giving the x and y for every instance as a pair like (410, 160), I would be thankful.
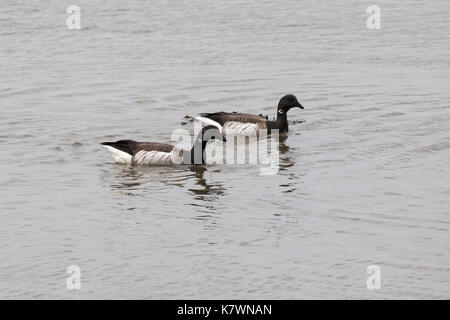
(195, 155)
(280, 123)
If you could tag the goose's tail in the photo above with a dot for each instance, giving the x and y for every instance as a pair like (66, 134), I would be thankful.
(114, 148)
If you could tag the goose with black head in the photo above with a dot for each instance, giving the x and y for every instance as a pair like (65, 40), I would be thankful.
(236, 123)
(156, 153)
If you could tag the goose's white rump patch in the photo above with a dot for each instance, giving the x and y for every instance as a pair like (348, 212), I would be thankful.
(209, 122)
(118, 155)
(232, 128)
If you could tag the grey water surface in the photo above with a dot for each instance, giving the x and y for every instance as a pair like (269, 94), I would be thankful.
(365, 180)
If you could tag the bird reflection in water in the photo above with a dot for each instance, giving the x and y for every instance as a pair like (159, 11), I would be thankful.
(140, 178)
(205, 196)
(205, 188)
(286, 159)
(125, 177)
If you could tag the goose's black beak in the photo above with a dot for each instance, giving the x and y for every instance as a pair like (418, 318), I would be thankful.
(300, 106)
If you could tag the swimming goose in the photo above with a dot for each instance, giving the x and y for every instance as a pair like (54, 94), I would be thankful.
(250, 124)
(155, 153)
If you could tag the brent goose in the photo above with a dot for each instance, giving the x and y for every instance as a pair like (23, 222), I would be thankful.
(249, 124)
(155, 153)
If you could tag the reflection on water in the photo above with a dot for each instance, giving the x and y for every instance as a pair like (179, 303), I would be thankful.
(148, 182)
(205, 188)
(287, 159)
(135, 178)
(125, 177)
